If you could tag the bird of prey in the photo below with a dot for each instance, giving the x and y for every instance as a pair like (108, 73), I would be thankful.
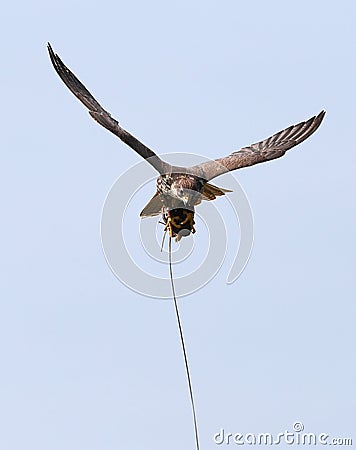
(180, 189)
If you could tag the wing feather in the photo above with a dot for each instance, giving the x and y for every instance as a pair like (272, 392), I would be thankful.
(271, 148)
(153, 207)
(101, 115)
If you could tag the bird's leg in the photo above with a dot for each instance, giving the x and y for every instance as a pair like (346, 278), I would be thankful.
(179, 221)
(191, 222)
(168, 227)
(189, 217)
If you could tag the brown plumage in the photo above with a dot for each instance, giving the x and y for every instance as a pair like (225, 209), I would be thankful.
(182, 188)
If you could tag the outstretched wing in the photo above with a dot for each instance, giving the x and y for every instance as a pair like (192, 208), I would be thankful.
(101, 116)
(271, 148)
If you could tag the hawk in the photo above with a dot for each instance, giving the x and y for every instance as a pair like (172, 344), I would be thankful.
(180, 189)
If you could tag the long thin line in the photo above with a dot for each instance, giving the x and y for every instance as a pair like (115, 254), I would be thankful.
(183, 344)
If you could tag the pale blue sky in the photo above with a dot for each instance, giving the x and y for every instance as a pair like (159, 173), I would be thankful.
(87, 363)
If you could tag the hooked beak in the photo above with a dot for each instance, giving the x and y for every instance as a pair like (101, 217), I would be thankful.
(185, 199)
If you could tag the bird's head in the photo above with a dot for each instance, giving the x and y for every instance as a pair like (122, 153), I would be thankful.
(181, 193)
(180, 190)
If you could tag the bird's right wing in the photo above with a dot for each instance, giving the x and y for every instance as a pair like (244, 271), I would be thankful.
(101, 116)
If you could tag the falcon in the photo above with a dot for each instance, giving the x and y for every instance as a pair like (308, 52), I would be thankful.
(180, 189)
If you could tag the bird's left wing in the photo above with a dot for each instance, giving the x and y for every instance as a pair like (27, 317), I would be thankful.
(101, 116)
(271, 148)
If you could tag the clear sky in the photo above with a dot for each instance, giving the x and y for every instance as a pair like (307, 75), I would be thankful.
(87, 363)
